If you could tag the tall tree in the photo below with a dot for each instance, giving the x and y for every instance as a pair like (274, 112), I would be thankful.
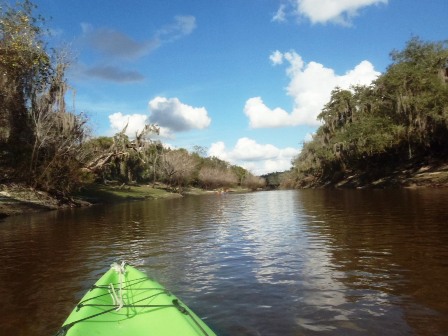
(25, 67)
(178, 167)
(40, 138)
(415, 93)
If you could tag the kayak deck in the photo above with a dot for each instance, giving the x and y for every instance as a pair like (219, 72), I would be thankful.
(128, 302)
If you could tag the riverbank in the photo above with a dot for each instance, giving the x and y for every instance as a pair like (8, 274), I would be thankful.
(413, 175)
(17, 199)
(97, 193)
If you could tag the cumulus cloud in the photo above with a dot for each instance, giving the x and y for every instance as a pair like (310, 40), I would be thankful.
(310, 88)
(258, 158)
(134, 122)
(323, 11)
(338, 11)
(169, 114)
(176, 116)
(261, 116)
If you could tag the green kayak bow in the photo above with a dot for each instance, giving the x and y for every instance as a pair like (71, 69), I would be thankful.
(125, 301)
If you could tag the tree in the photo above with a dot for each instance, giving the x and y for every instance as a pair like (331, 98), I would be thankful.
(40, 138)
(338, 112)
(253, 182)
(201, 151)
(240, 173)
(212, 177)
(120, 158)
(273, 179)
(58, 134)
(25, 67)
(415, 94)
(178, 167)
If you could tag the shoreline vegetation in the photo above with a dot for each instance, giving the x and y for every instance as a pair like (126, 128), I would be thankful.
(20, 199)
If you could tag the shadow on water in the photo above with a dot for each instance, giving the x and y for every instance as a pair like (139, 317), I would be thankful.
(270, 263)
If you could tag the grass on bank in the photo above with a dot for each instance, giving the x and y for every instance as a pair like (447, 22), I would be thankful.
(18, 199)
(96, 193)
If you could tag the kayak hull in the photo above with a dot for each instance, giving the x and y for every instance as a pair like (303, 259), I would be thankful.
(130, 303)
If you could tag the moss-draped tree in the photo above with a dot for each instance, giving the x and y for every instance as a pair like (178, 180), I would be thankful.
(40, 138)
(402, 116)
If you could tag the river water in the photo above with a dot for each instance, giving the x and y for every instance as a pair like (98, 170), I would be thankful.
(310, 262)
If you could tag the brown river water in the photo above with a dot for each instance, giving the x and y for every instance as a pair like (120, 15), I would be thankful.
(311, 262)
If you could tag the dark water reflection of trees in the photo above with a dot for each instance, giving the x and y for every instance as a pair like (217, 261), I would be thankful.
(389, 242)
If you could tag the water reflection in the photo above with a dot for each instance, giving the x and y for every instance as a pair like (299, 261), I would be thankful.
(269, 263)
(381, 244)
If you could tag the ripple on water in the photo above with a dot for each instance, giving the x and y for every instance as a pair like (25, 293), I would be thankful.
(268, 263)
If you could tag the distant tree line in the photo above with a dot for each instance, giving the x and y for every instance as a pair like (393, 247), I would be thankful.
(273, 180)
(45, 144)
(402, 117)
(142, 160)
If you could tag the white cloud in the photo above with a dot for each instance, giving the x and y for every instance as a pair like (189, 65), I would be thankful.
(310, 88)
(248, 150)
(262, 116)
(258, 158)
(308, 137)
(135, 122)
(276, 57)
(337, 11)
(323, 11)
(169, 114)
(165, 132)
(280, 15)
(218, 149)
(176, 116)
(182, 26)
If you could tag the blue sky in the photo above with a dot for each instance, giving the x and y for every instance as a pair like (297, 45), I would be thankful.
(243, 78)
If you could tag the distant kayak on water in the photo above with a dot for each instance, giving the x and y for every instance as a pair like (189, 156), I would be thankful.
(125, 301)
